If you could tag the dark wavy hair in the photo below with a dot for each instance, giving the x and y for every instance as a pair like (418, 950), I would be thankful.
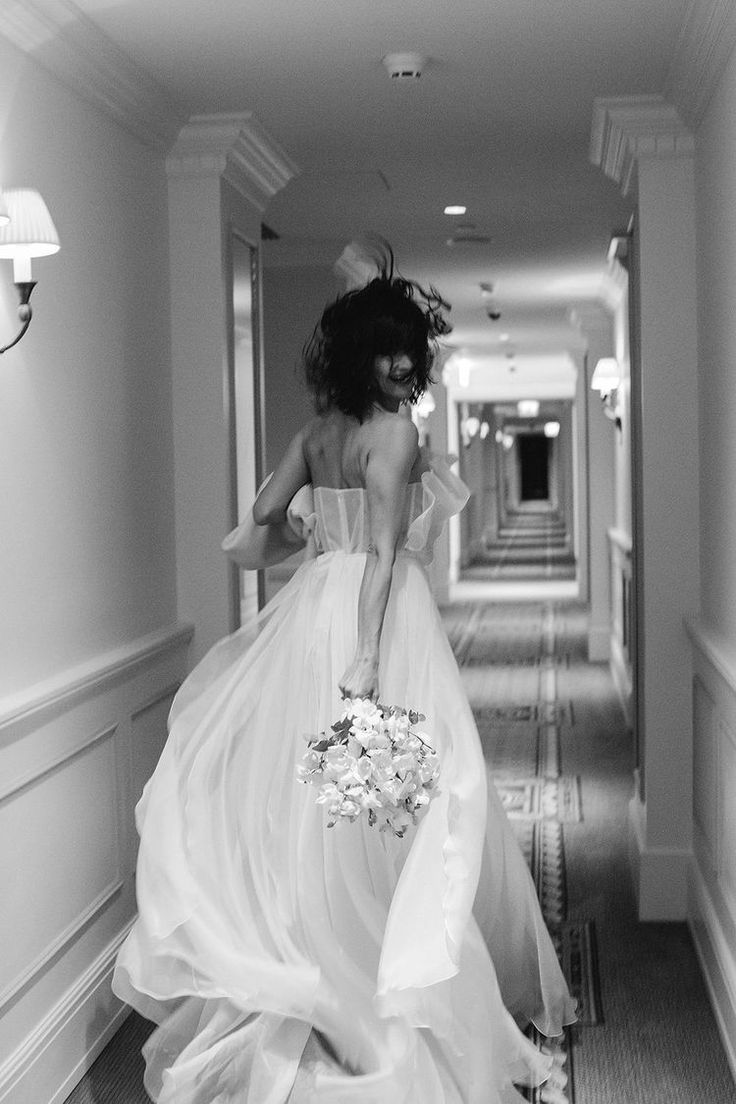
(390, 316)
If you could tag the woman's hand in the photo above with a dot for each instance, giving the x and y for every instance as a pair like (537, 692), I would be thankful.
(361, 679)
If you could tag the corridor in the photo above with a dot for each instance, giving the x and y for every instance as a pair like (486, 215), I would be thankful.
(561, 758)
(564, 175)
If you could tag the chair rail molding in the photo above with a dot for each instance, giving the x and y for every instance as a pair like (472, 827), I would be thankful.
(76, 751)
(237, 147)
(627, 129)
(70, 46)
(706, 40)
(40, 702)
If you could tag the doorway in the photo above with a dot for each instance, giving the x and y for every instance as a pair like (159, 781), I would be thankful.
(245, 409)
(534, 467)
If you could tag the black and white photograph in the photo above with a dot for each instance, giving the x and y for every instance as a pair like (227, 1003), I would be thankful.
(367, 552)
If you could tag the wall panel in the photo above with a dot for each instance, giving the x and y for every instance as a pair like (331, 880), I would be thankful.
(73, 764)
(712, 891)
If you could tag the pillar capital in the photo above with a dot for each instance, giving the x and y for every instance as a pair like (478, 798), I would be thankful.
(627, 129)
(236, 147)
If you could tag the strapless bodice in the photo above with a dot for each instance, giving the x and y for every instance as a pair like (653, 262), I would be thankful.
(336, 519)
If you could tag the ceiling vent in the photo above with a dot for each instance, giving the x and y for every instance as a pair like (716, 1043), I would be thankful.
(467, 237)
(404, 67)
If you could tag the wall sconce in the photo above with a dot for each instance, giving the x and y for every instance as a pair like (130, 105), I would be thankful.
(27, 231)
(425, 406)
(606, 380)
(528, 408)
(551, 429)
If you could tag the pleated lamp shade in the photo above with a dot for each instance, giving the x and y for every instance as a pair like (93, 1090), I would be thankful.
(606, 375)
(29, 232)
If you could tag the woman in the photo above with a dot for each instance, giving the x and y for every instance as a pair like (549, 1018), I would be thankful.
(289, 961)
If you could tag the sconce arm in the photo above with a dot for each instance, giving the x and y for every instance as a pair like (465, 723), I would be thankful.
(25, 289)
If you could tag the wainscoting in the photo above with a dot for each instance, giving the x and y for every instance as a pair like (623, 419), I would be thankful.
(712, 891)
(74, 756)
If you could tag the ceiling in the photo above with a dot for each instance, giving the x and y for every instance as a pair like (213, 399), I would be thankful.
(500, 122)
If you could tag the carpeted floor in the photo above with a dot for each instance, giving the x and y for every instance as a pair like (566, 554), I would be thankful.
(558, 750)
(646, 1033)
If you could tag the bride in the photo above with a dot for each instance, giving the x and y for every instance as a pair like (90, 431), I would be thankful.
(286, 961)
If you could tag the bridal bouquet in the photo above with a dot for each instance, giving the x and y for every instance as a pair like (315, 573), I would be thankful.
(373, 761)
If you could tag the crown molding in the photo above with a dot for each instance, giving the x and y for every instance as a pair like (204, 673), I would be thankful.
(627, 129)
(706, 41)
(60, 38)
(355, 266)
(235, 147)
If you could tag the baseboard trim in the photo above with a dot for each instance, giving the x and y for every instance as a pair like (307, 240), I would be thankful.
(660, 874)
(57, 1053)
(716, 959)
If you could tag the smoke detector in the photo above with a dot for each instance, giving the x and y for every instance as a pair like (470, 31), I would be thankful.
(404, 66)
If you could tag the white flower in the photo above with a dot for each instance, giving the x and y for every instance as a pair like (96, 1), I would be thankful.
(365, 711)
(372, 762)
(328, 792)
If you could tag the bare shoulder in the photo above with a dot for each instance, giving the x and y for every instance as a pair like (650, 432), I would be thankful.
(390, 440)
(392, 432)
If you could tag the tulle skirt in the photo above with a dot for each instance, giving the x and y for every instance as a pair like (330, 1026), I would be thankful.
(286, 961)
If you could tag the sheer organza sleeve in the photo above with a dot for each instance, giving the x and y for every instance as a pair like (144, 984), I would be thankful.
(254, 546)
(443, 495)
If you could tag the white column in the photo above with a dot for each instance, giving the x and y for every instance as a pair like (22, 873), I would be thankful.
(642, 143)
(222, 171)
(594, 323)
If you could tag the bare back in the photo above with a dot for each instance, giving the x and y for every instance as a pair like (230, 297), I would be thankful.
(336, 448)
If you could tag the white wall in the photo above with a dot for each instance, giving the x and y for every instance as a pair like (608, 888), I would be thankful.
(85, 404)
(293, 300)
(90, 654)
(713, 883)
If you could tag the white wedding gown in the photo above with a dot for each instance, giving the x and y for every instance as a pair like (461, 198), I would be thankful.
(288, 962)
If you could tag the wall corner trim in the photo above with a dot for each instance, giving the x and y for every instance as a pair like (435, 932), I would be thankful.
(63, 40)
(706, 41)
(237, 147)
(627, 129)
(660, 874)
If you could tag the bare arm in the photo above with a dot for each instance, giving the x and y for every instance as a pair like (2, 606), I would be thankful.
(388, 467)
(269, 508)
(292, 473)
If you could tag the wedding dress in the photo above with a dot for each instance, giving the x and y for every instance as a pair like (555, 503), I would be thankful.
(285, 961)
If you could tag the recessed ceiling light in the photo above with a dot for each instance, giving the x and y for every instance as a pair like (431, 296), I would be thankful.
(404, 66)
(504, 337)
(455, 209)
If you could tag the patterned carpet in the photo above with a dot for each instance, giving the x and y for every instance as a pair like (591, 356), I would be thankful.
(558, 749)
(509, 659)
